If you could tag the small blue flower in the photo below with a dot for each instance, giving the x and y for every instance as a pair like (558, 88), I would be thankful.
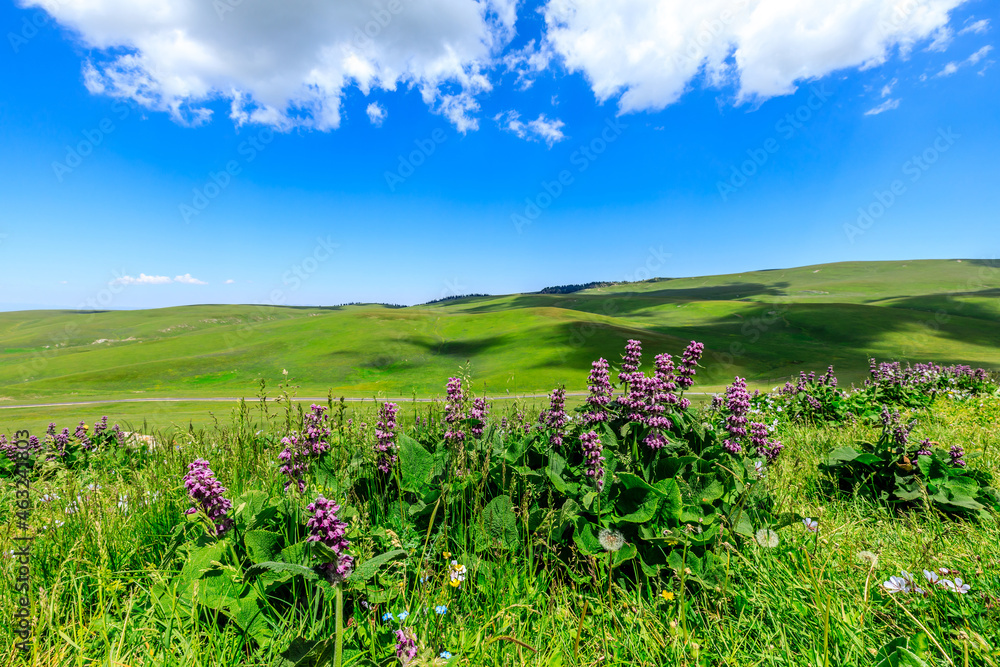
(440, 609)
(387, 616)
(403, 614)
(445, 655)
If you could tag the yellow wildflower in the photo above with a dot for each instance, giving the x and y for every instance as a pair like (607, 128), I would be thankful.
(667, 595)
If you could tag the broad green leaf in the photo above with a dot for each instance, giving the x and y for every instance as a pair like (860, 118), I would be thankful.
(367, 570)
(262, 545)
(416, 464)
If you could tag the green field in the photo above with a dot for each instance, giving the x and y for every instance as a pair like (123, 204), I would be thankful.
(765, 325)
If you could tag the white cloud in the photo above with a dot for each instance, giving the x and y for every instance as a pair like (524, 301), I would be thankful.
(527, 62)
(650, 52)
(888, 105)
(376, 113)
(230, 281)
(974, 59)
(143, 279)
(942, 39)
(542, 128)
(287, 63)
(977, 28)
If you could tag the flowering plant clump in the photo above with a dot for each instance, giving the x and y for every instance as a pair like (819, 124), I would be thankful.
(207, 494)
(302, 448)
(591, 445)
(893, 469)
(737, 405)
(385, 437)
(326, 527)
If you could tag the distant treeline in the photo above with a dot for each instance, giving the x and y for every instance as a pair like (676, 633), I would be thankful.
(368, 303)
(452, 298)
(569, 289)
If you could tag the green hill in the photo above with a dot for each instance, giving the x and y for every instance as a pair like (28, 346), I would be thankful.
(765, 325)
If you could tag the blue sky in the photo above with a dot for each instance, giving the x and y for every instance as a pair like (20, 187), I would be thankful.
(696, 171)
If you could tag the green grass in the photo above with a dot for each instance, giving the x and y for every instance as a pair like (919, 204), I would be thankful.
(764, 325)
(812, 600)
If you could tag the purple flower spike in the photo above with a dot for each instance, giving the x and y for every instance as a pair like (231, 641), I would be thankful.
(406, 646)
(689, 364)
(738, 404)
(454, 411)
(385, 437)
(555, 417)
(207, 493)
(480, 410)
(326, 527)
(600, 393)
(592, 447)
(631, 361)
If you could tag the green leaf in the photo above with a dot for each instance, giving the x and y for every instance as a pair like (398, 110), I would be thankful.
(627, 552)
(367, 570)
(416, 464)
(636, 501)
(673, 504)
(262, 545)
(586, 539)
(278, 566)
(842, 455)
(501, 522)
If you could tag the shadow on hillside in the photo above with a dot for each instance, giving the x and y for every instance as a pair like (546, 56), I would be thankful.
(624, 303)
(944, 305)
(464, 349)
(991, 263)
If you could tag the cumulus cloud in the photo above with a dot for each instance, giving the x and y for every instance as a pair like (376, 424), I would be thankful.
(974, 59)
(230, 281)
(540, 129)
(648, 53)
(188, 280)
(888, 105)
(143, 279)
(376, 113)
(288, 63)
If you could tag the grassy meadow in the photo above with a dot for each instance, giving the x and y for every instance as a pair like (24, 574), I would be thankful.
(764, 326)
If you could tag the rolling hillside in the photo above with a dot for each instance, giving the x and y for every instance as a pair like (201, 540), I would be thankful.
(765, 325)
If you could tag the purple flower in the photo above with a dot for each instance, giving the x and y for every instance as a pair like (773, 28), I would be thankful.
(592, 447)
(689, 364)
(454, 411)
(925, 448)
(326, 527)
(81, 435)
(301, 448)
(600, 393)
(207, 494)
(738, 404)
(631, 361)
(956, 453)
(480, 410)
(406, 646)
(555, 417)
(765, 447)
(385, 437)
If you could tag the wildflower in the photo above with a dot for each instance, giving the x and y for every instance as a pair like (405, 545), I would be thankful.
(385, 437)
(811, 525)
(555, 418)
(480, 410)
(738, 403)
(689, 364)
(667, 595)
(902, 584)
(457, 574)
(957, 586)
(931, 577)
(766, 448)
(591, 445)
(767, 538)
(387, 616)
(440, 610)
(445, 655)
(403, 614)
(328, 528)
(631, 361)
(925, 448)
(599, 383)
(611, 540)
(406, 646)
(446, 554)
(81, 435)
(207, 492)
(453, 411)
(956, 454)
